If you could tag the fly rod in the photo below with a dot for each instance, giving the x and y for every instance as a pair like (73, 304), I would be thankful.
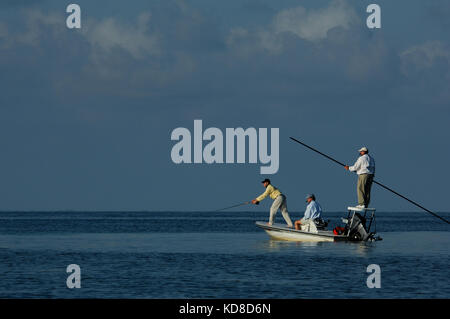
(237, 205)
(378, 183)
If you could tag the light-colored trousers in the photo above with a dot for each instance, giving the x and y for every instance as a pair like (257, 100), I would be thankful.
(280, 203)
(363, 189)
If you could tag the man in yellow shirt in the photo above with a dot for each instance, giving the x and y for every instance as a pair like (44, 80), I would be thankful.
(279, 202)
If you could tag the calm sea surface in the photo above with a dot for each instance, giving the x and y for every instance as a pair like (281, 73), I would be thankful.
(214, 255)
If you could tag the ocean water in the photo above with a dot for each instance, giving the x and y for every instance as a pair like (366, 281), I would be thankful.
(215, 255)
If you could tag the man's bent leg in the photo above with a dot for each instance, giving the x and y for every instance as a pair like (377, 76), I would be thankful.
(299, 223)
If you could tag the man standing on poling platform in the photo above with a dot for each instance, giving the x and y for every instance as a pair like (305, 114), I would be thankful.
(365, 168)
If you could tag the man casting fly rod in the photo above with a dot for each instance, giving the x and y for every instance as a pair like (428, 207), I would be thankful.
(279, 202)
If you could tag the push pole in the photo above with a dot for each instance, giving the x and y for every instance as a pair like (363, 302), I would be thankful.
(378, 183)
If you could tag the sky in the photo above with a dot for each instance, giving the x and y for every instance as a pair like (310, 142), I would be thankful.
(86, 115)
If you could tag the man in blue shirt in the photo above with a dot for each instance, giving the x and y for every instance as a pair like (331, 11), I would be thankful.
(313, 211)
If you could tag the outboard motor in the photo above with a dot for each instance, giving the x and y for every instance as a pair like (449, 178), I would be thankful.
(357, 228)
(321, 224)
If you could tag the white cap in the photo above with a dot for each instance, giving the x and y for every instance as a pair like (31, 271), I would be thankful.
(363, 149)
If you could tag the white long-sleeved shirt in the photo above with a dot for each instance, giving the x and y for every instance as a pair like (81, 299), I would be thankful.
(365, 164)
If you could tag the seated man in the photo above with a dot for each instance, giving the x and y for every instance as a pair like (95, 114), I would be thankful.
(313, 212)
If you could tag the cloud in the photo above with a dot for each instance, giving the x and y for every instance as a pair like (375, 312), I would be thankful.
(299, 52)
(128, 79)
(310, 25)
(108, 35)
(426, 68)
(104, 36)
(314, 25)
(104, 49)
(38, 26)
(244, 42)
(424, 56)
(326, 42)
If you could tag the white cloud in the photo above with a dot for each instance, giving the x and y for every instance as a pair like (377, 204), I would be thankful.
(109, 34)
(310, 25)
(423, 56)
(427, 68)
(245, 41)
(313, 25)
(104, 36)
(104, 49)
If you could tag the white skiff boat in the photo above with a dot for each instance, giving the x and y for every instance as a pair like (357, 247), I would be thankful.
(357, 228)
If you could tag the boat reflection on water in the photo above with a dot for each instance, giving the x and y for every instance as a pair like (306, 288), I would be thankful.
(360, 249)
(279, 243)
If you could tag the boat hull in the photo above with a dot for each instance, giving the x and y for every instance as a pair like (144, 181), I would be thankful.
(282, 232)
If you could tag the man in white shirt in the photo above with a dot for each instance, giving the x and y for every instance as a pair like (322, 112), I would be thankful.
(365, 168)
